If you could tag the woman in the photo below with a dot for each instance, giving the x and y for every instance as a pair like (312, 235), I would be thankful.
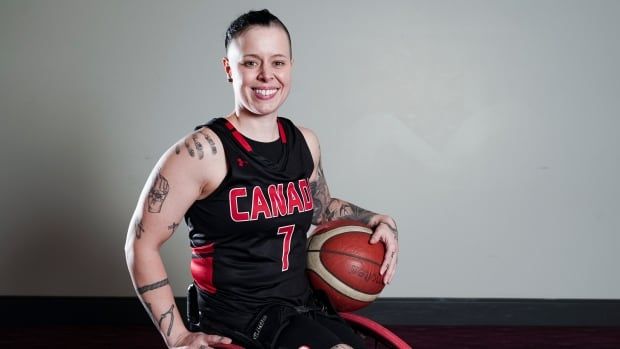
(249, 185)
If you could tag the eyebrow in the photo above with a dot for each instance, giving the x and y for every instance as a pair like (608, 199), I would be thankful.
(257, 56)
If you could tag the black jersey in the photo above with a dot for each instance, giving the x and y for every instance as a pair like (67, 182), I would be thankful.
(248, 237)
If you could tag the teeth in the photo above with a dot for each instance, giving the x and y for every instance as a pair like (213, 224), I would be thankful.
(265, 92)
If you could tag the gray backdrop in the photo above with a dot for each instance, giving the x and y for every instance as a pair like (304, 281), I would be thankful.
(488, 129)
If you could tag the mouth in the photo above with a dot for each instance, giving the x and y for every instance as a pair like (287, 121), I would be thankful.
(265, 93)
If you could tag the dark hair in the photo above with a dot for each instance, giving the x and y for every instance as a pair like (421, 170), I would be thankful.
(245, 21)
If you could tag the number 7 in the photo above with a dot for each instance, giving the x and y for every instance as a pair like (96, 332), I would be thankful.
(287, 230)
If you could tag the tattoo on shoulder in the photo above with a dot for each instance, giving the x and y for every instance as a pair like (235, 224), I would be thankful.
(163, 316)
(189, 148)
(210, 141)
(195, 147)
(153, 286)
(198, 146)
(158, 193)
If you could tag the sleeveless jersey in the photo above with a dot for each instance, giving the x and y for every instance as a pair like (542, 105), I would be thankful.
(248, 237)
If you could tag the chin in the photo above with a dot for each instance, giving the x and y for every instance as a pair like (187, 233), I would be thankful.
(262, 108)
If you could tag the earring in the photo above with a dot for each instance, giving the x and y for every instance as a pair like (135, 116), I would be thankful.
(229, 79)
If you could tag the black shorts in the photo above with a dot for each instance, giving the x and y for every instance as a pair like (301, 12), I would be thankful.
(319, 331)
(315, 325)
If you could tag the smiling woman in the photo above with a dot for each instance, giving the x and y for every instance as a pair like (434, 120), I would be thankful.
(249, 203)
(259, 63)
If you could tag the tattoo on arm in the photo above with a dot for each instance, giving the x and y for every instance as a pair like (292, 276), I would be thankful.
(320, 196)
(173, 227)
(139, 229)
(158, 193)
(153, 286)
(210, 141)
(328, 209)
(149, 308)
(165, 315)
(342, 209)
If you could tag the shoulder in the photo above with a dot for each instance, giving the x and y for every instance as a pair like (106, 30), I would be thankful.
(313, 142)
(310, 137)
(198, 157)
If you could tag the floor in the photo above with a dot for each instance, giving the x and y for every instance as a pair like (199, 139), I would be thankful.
(138, 337)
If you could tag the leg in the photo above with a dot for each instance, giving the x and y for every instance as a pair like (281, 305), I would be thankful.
(305, 331)
(341, 329)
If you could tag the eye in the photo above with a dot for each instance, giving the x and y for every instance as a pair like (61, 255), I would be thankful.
(279, 63)
(250, 64)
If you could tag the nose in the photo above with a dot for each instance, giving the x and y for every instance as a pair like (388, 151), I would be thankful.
(265, 74)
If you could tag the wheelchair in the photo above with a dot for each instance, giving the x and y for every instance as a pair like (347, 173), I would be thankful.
(372, 333)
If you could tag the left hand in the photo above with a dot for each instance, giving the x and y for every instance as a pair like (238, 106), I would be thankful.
(386, 231)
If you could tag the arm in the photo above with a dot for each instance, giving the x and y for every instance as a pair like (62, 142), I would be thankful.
(328, 209)
(175, 183)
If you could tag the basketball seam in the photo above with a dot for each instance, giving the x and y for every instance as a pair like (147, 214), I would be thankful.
(321, 238)
(347, 254)
(337, 290)
(314, 264)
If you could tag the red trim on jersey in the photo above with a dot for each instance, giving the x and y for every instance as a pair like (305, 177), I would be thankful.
(282, 134)
(201, 267)
(238, 136)
(243, 142)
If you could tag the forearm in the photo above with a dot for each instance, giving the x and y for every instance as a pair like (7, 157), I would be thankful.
(154, 291)
(328, 209)
(340, 209)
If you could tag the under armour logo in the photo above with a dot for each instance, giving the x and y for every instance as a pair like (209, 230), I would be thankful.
(241, 162)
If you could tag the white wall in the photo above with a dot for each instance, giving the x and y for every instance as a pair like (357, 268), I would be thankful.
(489, 129)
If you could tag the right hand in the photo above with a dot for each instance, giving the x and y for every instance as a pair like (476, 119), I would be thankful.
(198, 340)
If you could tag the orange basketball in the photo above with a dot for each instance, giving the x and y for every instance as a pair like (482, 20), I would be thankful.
(343, 263)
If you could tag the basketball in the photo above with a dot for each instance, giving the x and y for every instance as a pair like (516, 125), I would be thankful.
(343, 264)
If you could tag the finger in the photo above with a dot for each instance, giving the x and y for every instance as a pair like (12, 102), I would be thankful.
(390, 273)
(376, 236)
(390, 252)
(386, 262)
(390, 261)
(212, 338)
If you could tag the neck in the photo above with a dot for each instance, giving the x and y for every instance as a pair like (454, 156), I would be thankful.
(263, 128)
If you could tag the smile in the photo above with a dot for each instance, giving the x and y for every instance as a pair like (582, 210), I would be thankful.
(265, 93)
